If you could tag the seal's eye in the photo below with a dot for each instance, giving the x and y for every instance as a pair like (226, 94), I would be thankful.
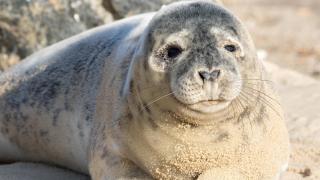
(230, 47)
(173, 51)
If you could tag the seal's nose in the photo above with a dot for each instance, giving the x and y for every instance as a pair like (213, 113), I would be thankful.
(209, 76)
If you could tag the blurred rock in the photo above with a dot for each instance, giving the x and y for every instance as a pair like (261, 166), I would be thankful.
(121, 8)
(29, 25)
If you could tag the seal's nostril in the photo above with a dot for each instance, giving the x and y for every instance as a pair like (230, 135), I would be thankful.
(209, 76)
(204, 75)
(217, 73)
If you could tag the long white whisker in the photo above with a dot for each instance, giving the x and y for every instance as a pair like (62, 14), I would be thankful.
(157, 99)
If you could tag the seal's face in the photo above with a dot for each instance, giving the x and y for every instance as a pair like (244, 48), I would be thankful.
(199, 48)
(202, 65)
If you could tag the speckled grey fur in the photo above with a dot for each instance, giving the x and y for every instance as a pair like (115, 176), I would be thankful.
(63, 78)
(112, 102)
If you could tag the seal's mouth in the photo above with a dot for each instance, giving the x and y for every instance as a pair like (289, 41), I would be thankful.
(209, 106)
(210, 102)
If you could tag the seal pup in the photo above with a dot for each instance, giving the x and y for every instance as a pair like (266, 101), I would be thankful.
(175, 94)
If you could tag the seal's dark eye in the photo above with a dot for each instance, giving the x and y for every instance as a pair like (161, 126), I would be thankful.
(230, 48)
(174, 51)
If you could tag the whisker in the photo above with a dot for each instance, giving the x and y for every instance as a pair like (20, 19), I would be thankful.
(265, 80)
(146, 88)
(253, 84)
(229, 112)
(141, 103)
(255, 105)
(265, 101)
(239, 108)
(262, 93)
(244, 107)
(233, 109)
(157, 99)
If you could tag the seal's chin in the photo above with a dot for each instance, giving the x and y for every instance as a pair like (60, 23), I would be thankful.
(209, 106)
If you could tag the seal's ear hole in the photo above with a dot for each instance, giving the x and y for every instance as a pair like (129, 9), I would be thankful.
(173, 51)
(230, 47)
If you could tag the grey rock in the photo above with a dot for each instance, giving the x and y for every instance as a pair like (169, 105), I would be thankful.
(121, 8)
(29, 25)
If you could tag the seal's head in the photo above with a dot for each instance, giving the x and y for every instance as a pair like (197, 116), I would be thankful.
(199, 53)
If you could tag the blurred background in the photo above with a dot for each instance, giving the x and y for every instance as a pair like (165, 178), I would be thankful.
(286, 34)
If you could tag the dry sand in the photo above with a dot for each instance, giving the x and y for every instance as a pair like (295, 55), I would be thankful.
(300, 96)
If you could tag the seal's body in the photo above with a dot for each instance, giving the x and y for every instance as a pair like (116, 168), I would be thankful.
(177, 94)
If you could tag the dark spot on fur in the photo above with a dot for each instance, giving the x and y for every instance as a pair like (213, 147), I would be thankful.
(44, 92)
(43, 133)
(79, 67)
(32, 104)
(196, 175)
(88, 117)
(81, 134)
(7, 117)
(105, 153)
(55, 116)
(79, 126)
(88, 111)
(67, 106)
(260, 116)
(243, 114)
(222, 137)
(152, 123)
(5, 130)
(129, 116)
(233, 30)
(112, 80)
(147, 108)
(180, 118)
(13, 102)
(52, 91)
(103, 130)
(24, 100)
(139, 108)
(145, 65)
(131, 86)
(66, 91)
